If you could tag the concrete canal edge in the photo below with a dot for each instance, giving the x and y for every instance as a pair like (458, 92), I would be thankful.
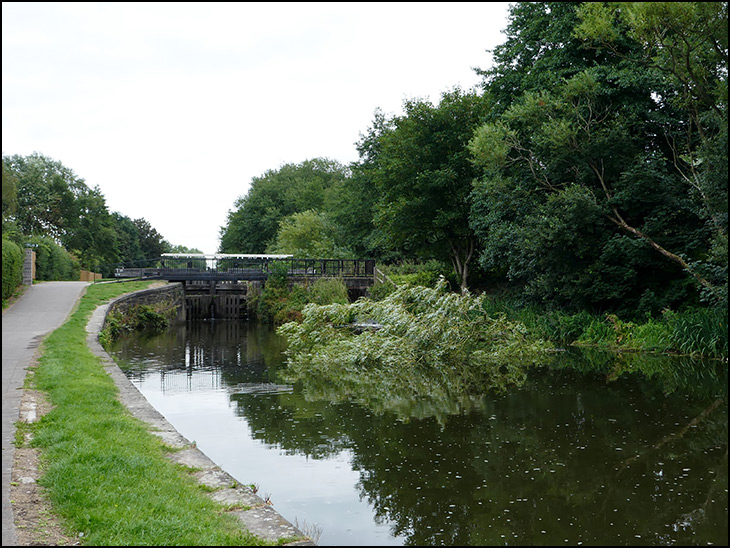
(260, 519)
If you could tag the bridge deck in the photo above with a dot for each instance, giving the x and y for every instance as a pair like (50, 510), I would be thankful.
(247, 268)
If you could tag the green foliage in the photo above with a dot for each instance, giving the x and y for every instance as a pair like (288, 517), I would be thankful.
(138, 317)
(12, 268)
(428, 343)
(561, 327)
(695, 331)
(43, 198)
(700, 331)
(278, 275)
(46, 194)
(420, 165)
(53, 262)
(590, 174)
(426, 273)
(53, 201)
(276, 195)
(307, 235)
(604, 179)
(379, 290)
(653, 336)
(280, 302)
(152, 244)
(539, 52)
(328, 291)
(10, 193)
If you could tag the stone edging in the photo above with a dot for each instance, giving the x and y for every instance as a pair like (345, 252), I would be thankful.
(261, 519)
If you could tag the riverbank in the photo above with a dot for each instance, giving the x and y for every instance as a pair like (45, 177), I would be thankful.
(115, 471)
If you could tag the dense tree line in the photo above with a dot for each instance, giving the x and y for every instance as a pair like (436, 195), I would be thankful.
(589, 171)
(47, 205)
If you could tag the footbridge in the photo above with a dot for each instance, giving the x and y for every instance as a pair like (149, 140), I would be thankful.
(228, 267)
(216, 286)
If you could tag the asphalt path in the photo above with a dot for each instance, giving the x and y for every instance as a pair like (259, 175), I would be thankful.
(41, 309)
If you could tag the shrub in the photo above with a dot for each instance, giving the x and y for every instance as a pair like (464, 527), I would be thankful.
(328, 291)
(426, 274)
(12, 268)
(378, 291)
(53, 262)
(653, 336)
(599, 332)
(561, 327)
(138, 317)
(277, 303)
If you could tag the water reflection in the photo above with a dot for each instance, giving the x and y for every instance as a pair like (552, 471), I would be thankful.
(203, 354)
(608, 457)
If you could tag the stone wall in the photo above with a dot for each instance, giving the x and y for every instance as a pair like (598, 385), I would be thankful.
(168, 300)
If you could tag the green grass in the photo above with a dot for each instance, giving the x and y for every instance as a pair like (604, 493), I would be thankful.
(107, 476)
(701, 332)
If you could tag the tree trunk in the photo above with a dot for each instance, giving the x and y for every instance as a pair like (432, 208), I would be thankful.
(460, 260)
(617, 219)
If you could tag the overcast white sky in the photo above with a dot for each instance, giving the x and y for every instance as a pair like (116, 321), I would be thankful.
(172, 108)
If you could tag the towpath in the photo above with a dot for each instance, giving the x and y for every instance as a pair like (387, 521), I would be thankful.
(41, 309)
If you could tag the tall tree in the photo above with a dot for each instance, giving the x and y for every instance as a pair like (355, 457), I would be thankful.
(10, 192)
(307, 234)
(686, 42)
(128, 243)
(46, 191)
(420, 165)
(92, 235)
(540, 51)
(293, 188)
(150, 241)
(602, 139)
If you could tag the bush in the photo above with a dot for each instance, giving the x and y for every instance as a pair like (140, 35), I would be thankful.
(12, 268)
(328, 291)
(561, 327)
(52, 262)
(599, 331)
(379, 290)
(653, 336)
(277, 303)
(137, 318)
(426, 274)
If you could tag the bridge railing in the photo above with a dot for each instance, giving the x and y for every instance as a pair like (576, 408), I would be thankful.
(346, 268)
(252, 268)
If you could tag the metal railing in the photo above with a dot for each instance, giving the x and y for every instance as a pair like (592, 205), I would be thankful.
(247, 268)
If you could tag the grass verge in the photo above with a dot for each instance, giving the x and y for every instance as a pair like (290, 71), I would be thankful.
(106, 475)
(701, 332)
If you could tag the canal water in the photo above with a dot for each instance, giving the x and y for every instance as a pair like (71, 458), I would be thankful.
(618, 457)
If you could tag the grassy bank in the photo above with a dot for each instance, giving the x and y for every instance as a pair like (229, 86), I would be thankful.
(700, 331)
(696, 332)
(108, 478)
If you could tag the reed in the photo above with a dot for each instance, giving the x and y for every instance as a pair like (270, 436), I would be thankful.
(700, 332)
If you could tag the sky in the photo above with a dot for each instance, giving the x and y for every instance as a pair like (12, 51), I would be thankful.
(171, 109)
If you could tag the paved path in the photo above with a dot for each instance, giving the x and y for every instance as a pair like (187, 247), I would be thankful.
(43, 308)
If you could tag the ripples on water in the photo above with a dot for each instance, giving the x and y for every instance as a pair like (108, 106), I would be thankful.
(616, 457)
